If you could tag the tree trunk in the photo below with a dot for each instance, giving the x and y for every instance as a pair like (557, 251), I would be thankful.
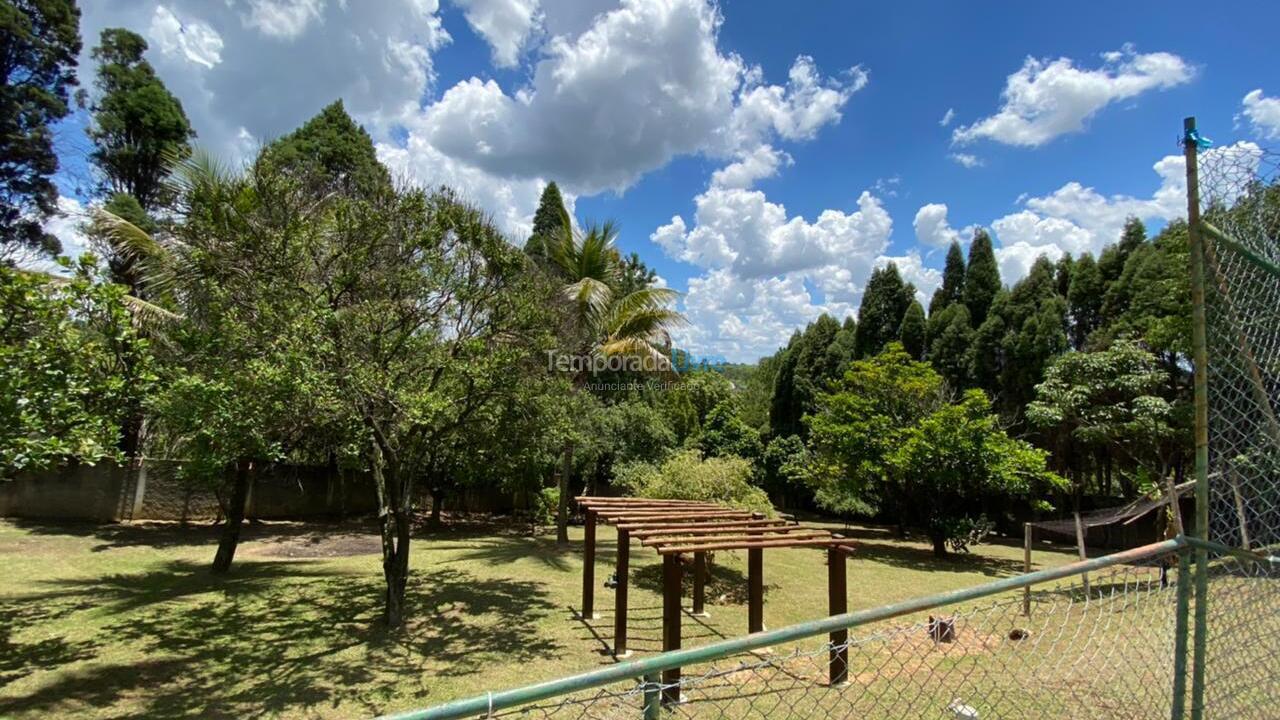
(394, 524)
(235, 518)
(939, 544)
(437, 504)
(562, 505)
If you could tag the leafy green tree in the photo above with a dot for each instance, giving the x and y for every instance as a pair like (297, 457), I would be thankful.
(138, 127)
(950, 344)
(1084, 300)
(247, 385)
(1109, 399)
(725, 434)
(887, 439)
(333, 145)
(952, 289)
(550, 222)
(71, 363)
(1152, 300)
(981, 279)
(912, 331)
(785, 466)
(884, 302)
(987, 359)
(40, 41)
(429, 316)
(956, 458)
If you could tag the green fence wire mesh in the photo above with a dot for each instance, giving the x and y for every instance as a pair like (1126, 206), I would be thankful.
(1121, 649)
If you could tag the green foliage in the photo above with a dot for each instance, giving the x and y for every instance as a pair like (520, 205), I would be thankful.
(636, 432)
(952, 289)
(333, 145)
(888, 439)
(138, 127)
(811, 361)
(550, 222)
(884, 302)
(981, 279)
(40, 41)
(724, 434)
(785, 465)
(71, 363)
(1111, 397)
(912, 331)
(1084, 299)
(686, 475)
(950, 343)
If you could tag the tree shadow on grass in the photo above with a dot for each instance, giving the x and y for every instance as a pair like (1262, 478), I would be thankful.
(505, 549)
(270, 637)
(160, 535)
(724, 584)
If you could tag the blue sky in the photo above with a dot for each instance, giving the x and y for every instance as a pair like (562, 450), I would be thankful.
(762, 160)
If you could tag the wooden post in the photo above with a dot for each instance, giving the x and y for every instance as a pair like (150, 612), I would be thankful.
(589, 567)
(1084, 577)
(620, 596)
(671, 612)
(838, 604)
(1244, 526)
(755, 590)
(700, 584)
(1026, 567)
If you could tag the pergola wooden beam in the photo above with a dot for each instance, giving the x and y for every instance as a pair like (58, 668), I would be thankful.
(756, 544)
(643, 529)
(611, 516)
(663, 542)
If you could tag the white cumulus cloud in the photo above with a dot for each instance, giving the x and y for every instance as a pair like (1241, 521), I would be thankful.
(1048, 98)
(506, 25)
(1263, 114)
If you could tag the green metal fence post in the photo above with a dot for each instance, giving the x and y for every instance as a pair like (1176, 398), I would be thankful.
(652, 697)
(1200, 358)
(1178, 711)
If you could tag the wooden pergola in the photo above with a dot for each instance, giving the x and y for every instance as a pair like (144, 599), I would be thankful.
(678, 527)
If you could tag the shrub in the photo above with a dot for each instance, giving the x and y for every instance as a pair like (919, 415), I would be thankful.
(686, 475)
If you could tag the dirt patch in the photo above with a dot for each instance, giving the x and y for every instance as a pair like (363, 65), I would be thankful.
(319, 545)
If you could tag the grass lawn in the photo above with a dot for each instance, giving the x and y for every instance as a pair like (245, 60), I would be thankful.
(118, 620)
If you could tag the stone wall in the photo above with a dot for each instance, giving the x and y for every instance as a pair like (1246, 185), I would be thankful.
(107, 492)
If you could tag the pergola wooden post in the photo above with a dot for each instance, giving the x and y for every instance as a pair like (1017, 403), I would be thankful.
(838, 604)
(755, 589)
(671, 611)
(699, 584)
(589, 567)
(620, 595)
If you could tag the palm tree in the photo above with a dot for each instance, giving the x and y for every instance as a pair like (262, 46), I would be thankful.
(603, 320)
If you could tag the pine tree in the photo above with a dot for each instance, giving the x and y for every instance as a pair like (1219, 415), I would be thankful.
(950, 344)
(1084, 299)
(1062, 273)
(138, 126)
(911, 333)
(981, 278)
(549, 221)
(884, 303)
(952, 289)
(40, 42)
(1111, 262)
(1035, 321)
(782, 410)
(333, 144)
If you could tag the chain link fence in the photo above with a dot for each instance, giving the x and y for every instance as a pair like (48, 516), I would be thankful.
(1123, 648)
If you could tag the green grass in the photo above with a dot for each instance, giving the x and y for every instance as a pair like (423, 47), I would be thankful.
(112, 620)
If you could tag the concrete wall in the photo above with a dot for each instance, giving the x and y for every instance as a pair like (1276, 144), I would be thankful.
(106, 492)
